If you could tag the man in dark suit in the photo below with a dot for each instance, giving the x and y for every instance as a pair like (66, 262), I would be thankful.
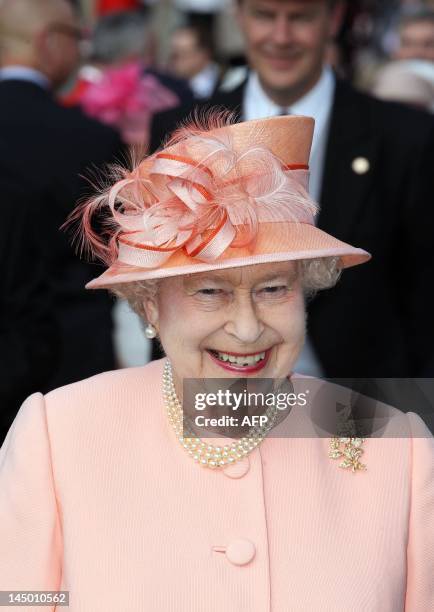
(371, 170)
(48, 148)
(29, 342)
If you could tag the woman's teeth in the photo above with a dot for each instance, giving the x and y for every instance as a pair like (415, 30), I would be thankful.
(241, 361)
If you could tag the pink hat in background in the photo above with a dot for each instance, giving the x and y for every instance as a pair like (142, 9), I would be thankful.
(227, 196)
(407, 81)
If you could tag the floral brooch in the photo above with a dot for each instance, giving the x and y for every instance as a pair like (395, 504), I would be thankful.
(350, 449)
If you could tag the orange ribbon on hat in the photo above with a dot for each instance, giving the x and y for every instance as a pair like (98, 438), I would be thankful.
(181, 205)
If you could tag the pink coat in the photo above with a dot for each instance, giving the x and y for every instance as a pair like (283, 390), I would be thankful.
(97, 497)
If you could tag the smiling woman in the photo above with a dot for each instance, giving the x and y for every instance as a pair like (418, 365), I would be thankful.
(315, 274)
(105, 494)
(268, 287)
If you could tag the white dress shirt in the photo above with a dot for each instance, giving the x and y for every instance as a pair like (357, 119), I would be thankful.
(204, 82)
(24, 73)
(317, 103)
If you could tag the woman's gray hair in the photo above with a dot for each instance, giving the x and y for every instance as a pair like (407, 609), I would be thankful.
(316, 274)
(319, 273)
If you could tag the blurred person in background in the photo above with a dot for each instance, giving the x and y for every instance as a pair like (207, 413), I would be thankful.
(29, 341)
(416, 35)
(119, 85)
(201, 13)
(372, 173)
(122, 35)
(48, 148)
(410, 82)
(192, 57)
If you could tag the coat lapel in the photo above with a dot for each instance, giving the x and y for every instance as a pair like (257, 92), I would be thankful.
(350, 164)
(232, 100)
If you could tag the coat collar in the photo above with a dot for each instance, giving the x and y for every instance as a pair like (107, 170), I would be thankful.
(18, 87)
(232, 100)
(26, 74)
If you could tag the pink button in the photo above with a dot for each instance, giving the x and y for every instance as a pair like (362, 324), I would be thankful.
(241, 551)
(238, 469)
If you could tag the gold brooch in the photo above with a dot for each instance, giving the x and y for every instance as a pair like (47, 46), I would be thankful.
(349, 448)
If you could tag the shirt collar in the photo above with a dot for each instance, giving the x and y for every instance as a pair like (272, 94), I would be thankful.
(203, 83)
(24, 73)
(256, 104)
(317, 103)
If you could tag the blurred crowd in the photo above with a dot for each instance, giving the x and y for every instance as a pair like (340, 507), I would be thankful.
(131, 68)
(80, 83)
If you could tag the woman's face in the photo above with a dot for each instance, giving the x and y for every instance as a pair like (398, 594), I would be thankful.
(247, 321)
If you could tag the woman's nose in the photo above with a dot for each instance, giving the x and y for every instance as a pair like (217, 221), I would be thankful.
(243, 323)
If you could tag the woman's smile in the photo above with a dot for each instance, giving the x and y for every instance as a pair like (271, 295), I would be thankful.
(246, 363)
(238, 322)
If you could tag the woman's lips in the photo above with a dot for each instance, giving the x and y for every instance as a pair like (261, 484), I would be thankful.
(233, 367)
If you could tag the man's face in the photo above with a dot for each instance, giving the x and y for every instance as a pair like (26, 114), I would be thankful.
(417, 41)
(186, 57)
(286, 42)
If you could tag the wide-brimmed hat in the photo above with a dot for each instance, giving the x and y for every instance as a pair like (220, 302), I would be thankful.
(228, 196)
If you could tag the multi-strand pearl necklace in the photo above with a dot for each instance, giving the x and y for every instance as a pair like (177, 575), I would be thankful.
(209, 455)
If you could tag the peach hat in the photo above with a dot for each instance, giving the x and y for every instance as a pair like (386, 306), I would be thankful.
(223, 196)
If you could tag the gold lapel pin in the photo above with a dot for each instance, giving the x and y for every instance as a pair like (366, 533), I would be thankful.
(361, 165)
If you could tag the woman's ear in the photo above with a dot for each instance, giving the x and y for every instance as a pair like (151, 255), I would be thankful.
(151, 309)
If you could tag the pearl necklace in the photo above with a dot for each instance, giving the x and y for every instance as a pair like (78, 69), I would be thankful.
(209, 455)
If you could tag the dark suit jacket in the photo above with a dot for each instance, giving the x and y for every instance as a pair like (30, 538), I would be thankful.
(377, 322)
(29, 342)
(48, 148)
(179, 87)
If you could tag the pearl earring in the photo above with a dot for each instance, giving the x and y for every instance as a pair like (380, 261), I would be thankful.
(150, 331)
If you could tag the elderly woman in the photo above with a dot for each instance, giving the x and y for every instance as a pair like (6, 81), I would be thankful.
(103, 495)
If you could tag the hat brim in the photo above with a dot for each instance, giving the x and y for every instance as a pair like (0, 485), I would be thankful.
(301, 241)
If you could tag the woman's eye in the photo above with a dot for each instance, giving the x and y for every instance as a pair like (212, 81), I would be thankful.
(210, 291)
(275, 290)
